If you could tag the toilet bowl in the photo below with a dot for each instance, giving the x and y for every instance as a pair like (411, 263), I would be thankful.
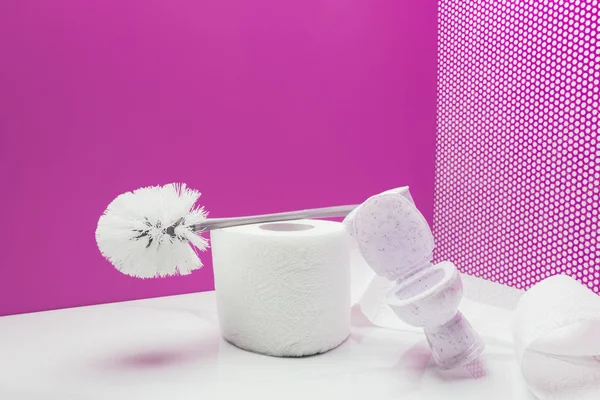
(396, 242)
(430, 299)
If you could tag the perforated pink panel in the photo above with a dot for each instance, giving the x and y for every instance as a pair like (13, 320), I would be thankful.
(518, 153)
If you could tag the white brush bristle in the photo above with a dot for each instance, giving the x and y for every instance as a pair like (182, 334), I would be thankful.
(149, 232)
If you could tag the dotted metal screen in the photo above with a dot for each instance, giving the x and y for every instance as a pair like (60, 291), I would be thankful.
(518, 152)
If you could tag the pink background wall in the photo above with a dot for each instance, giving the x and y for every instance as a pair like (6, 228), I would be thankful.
(264, 106)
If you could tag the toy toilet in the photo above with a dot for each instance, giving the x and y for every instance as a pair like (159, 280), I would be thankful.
(395, 240)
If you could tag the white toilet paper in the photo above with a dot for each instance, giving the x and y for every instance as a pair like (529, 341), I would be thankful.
(283, 288)
(557, 337)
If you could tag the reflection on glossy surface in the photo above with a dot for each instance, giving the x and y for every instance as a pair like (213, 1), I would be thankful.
(171, 348)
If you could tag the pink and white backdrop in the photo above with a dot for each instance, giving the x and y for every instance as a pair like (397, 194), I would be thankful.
(271, 106)
(518, 143)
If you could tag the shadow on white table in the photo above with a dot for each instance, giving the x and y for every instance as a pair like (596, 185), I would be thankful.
(170, 348)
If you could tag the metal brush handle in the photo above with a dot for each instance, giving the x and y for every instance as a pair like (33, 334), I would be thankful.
(326, 212)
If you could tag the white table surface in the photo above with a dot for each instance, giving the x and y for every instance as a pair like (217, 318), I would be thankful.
(170, 348)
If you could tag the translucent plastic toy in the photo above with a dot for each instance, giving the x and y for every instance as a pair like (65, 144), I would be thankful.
(396, 241)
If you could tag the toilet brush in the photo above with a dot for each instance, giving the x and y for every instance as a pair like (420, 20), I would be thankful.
(156, 231)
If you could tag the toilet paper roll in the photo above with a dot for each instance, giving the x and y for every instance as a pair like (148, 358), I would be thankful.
(283, 288)
(557, 337)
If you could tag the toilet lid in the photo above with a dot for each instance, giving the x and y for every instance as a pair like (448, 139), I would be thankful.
(393, 236)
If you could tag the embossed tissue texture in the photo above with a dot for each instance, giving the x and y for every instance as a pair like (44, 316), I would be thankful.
(283, 293)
